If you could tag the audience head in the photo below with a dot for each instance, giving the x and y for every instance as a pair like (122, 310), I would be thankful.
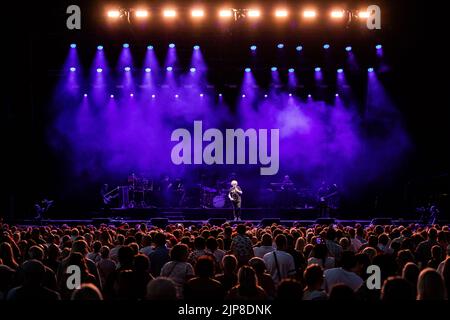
(87, 292)
(313, 276)
(289, 290)
(281, 242)
(161, 288)
(204, 268)
(179, 252)
(258, 265)
(342, 292)
(397, 288)
(430, 285)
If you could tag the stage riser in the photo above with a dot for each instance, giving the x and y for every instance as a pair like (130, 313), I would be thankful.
(205, 214)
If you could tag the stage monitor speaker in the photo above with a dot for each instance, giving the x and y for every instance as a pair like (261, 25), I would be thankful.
(381, 221)
(269, 221)
(99, 221)
(217, 221)
(325, 221)
(159, 222)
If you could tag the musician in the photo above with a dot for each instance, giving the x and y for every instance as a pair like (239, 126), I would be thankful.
(234, 194)
(41, 208)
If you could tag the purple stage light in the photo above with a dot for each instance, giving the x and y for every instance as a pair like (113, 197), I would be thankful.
(196, 47)
(348, 48)
(99, 70)
(149, 47)
(148, 70)
(247, 70)
(153, 96)
(192, 69)
(280, 46)
(378, 47)
(169, 69)
(126, 45)
(99, 48)
(309, 96)
(340, 70)
(220, 95)
(201, 95)
(290, 70)
(177, 96)
(131, 95)
(370, 69)
(265, 96)
(85, 95)
(127, 69)
(299, 48)
(337, 95)
(326, 46)
(111, 96)
(73, 45)
(317, 69)
(73, 69)
(243, 96)
(172, 45)
(273, 69)
(253, 48)
(290, 94)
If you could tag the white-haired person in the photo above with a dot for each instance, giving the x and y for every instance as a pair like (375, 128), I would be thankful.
(234, 194)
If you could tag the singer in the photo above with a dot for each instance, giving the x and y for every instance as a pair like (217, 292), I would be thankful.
(235, 196)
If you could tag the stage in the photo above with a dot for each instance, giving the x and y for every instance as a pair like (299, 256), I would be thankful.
(217, 216)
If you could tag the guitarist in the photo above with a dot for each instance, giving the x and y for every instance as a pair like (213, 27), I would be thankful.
(234, 194)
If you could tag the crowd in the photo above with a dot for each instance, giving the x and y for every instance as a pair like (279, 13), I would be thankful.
(240, 262)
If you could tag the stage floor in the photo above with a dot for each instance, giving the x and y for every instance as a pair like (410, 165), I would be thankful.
(217, 216)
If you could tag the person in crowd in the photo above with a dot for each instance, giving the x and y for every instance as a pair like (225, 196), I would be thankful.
(346, 274)
(446, 276)
(228, 278)
(342, 292)
(212, 248)
(242, 246)
(105, 265)
(319, 256)
(334, 249)
(313, 277)
(199, 250)
(52, 260)
(264, 279)
(32, 288)
(178, 269)
(266, 246)
(37, 253)
(95, 254)
(203, 287)
(160, 256)
(81, 247)
(289, 290)
(142, 275)
(430, 285)
(87, 292)
(161, 289)
(411, 274)
(7, 256)
(436, 257)
(440, 267)
(423, 250)
(279, 263)
(7, 280)
(397, 288)
(247, 288)
(147, 247)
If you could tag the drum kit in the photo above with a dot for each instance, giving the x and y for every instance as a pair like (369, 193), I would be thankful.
(214, 197)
